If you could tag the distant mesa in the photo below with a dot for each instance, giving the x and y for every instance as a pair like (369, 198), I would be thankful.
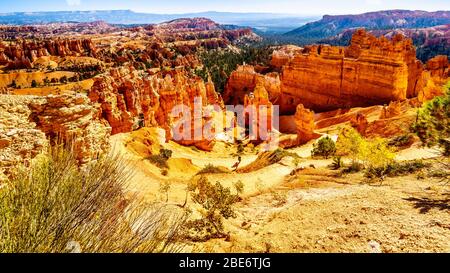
(389, 19)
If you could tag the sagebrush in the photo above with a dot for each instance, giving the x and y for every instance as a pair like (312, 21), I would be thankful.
(54, 206)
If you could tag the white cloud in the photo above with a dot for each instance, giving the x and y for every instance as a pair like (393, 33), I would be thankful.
(73, 2)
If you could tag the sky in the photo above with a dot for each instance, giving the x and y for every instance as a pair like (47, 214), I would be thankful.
(313, 7)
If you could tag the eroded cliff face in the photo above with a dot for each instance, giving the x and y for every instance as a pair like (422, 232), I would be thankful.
(30, 123)
(243, 81)
(130, 99)
(21, 54)
(260, 112)
(284, 55)
(20, 139)
(72, 119)
(436, 75)
(304, 121)
(371, 71)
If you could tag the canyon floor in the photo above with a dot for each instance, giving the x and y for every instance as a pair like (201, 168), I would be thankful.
(319, 212)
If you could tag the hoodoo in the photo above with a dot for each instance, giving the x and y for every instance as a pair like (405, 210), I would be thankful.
(370, 71)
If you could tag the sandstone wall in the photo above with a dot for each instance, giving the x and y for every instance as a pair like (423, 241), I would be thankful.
(371, 71)
(243, 81)
(28, 123)
(73, 119)
(21, 54)
(130, 99)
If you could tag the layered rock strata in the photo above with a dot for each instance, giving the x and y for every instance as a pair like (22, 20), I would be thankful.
(130, 99)
(21, 54)
(30, 122)
(370, 71)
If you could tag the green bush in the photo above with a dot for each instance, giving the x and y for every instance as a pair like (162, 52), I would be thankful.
(396, 169)
(433, 122)
(53, 206)
(211, 169)
(166, 153)
(348, 143)
(401, 141)
(324, 147)
(160, 160)
(337, 163)
(217, 203)
(371, 153)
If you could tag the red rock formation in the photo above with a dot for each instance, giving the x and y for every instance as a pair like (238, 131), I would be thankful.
(371, 71)
(72, 119)
(304, 120)
(130, 100)
(438, 67)
(360, 123)
(393, 110)
(243, 80)
(284, 55)
(22, 53)
(437, 73)
(260, 115)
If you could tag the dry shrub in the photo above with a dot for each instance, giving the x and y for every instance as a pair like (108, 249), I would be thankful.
(216, 203)
(53, 206)
(211, 169)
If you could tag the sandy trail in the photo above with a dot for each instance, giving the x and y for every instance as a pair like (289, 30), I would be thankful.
(327, 214)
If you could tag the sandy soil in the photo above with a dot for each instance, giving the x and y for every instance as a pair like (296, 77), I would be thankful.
(403, 215)
(316, 212)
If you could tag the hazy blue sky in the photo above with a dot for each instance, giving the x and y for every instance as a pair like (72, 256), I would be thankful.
(183, 6)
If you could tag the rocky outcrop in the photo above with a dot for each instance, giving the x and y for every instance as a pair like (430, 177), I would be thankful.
(130, 99)
(437, 73)
(283, 55)
(360, 123)
(371, 71)
(28, 123)
(20, 140)
(393, 110)
(72, 119)
(22, 53)
(260, 112)
(243, 81)
(438, 67)
(304, 121)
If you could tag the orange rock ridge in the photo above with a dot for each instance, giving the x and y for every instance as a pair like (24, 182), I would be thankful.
(130, 100)
(370, 71)
(22, 53)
